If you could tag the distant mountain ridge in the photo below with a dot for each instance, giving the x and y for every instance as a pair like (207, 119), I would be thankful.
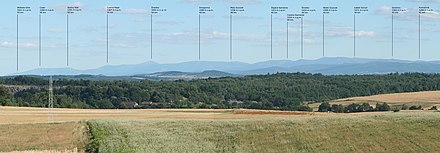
(197, 69)
(174, 75)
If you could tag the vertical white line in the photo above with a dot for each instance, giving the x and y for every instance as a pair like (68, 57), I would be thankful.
(107, 40)
(17, 42)
(67, 40)
(199, 36)
(39, 40)
(230, 37)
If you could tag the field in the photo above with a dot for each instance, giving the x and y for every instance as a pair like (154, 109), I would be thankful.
(400, 132)
(426, 99)
(68, 136)
(14, 115)
(203, 130)
(26, 130)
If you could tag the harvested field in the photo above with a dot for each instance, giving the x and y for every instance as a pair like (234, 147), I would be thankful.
(14, 115)
(412, 97)
(269, 112)
(60, 137)
(426, 99)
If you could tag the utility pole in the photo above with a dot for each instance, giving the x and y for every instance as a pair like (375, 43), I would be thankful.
(50, 106)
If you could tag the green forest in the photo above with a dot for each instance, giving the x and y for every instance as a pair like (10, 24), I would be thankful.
(281, 91)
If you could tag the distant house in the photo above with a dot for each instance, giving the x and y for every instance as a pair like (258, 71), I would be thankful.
(149, 104)
(146, 103)
(235, 101)
(129, 104)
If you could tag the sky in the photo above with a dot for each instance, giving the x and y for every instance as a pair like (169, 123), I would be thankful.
(175, 32)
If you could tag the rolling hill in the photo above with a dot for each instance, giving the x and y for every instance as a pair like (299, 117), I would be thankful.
(328, 66)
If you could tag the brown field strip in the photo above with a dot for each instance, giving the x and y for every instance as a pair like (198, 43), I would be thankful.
(68, 136)
(20, 115)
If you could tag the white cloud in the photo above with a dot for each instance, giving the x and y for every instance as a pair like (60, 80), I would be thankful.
(63, 6)
(135, 11)
(384, 10)
(411, 14)
(125, 40)
(192, 36)
(219, 35)
(55, 30)
(365, 33)
(347, 32)
(310, 41)
(431, 15)
(7, 44)
(27, 45)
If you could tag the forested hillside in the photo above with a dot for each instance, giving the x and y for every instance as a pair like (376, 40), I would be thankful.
(276, 91)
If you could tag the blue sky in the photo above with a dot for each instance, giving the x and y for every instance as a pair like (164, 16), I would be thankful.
(175, 32)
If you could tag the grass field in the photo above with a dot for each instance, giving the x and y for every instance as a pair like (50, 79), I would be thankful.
(392, 132)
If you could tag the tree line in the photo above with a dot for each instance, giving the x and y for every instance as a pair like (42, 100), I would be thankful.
(366, 107)
(281, 91)
(353, 108)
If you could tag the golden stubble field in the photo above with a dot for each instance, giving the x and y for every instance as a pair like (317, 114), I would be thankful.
(426, 99)
(22, 115)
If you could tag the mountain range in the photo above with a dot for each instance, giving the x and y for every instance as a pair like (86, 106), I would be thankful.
(204, 69)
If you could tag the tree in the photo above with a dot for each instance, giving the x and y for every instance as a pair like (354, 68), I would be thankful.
(104, 104)
(414, 107)
(404, 107)
(382, 107)
(337, 108)
(324, 107)
(433, 108)
(365, 107)
(4, 96)
(352, 108)
(282, 91)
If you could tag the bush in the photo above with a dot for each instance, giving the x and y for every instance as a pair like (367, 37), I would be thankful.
(414, 107)
(337, 108)
(404, 107)
(396, 109)
(324, 107)
(433, 108)
(365, 107)
(383, 107)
